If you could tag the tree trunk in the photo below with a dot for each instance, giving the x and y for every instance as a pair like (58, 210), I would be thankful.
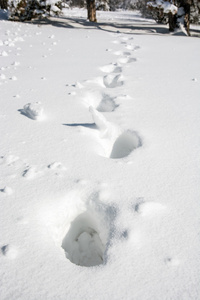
(186, 5)
(3, 4)
(91, 10)
(172, 22)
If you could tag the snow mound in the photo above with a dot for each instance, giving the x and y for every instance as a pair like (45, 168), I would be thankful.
(3, 53)
(33, 111)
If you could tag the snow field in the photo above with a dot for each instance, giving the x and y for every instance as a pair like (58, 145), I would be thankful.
(99, 164)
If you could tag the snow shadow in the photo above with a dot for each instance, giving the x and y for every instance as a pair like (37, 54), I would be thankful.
(86, 125)
(135, 26)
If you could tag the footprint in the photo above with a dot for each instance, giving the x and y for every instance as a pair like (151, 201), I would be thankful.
(31, 173)
(127, 142)
(85, 230)
(107, 104)
(111, 68)
(125, 38)
(123, 53)
(9, 251)
(102, 102)
(82, 244)
(129, 47)
(78, 85)
(56, 166)
(14, 78)
(7, 190)
(126, 60)
(113, 81)
(149, 208)
(33, 111)
(116, 142)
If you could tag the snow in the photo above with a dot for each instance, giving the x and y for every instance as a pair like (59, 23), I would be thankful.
(165, 5)
(99, 181)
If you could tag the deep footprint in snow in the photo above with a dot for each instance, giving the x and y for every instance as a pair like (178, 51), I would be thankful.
(117, 143)
(127, 142)
(101, 101)
(113, 81)
(86, 239)
(82, 243)
(107, 104)
(111, 68)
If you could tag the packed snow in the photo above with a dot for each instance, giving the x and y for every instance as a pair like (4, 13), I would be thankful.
(99, 181)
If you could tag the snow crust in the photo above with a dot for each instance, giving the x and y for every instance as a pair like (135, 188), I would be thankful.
(99, 159)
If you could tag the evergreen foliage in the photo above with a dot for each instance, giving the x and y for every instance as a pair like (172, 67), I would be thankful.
(22, 10)
(158, 9)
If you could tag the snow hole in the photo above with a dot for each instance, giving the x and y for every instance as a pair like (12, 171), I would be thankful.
(125, 144)
(115, 142)
(113, 81)
(107, 104)
(83, 243)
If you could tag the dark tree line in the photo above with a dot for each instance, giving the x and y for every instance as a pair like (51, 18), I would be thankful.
(181, 13)
(3, 4)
